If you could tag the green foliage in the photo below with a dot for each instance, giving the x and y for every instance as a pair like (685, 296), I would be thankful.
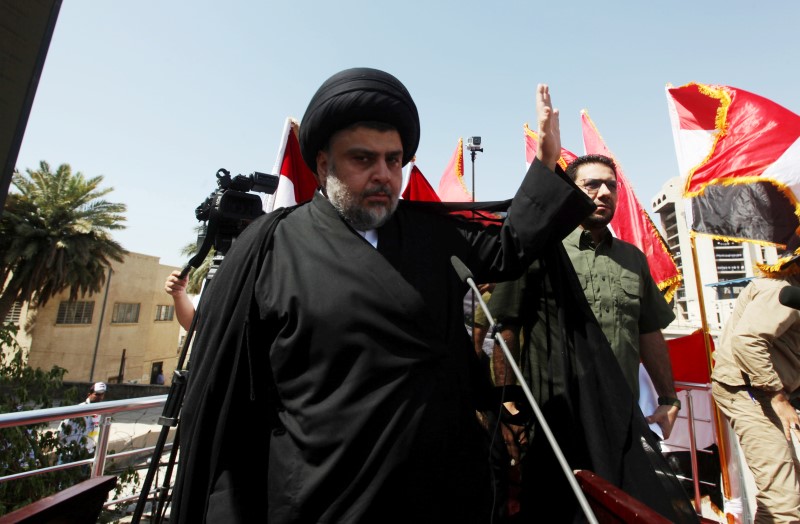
(197, 275)
(55, 233)
(36, 446)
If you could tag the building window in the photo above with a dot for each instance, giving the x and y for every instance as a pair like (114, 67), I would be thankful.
(75, 313)
(12, 317)
(164, 313)
(125, 314)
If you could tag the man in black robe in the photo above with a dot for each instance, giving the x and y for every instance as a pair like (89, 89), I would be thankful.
(340, 321)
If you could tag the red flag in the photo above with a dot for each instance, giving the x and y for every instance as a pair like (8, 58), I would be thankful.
(631, 222)
(739, 154)
(418, 188)
(451, 185)
(453, 189)
(296, 183)
(532, 145)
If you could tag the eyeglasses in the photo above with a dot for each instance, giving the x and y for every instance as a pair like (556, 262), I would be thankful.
(592, 186)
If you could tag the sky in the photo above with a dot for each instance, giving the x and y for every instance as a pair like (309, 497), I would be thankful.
(156, 97)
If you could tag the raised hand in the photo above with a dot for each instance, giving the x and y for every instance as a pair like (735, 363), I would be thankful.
(549, 131)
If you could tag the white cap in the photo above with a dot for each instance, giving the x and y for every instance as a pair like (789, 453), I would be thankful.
(99, 387)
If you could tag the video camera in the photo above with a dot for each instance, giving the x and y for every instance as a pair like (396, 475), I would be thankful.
(229, 209)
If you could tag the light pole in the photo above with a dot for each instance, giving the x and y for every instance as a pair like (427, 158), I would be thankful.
(474, 146)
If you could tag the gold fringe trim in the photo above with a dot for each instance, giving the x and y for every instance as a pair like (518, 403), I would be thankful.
(775, 271)
(739, 240)
(720, 123)
(766, 269)
(774, 268)
(460, 169)
(533, 134)
(671, 285)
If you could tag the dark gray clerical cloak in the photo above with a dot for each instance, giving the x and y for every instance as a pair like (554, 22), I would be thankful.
(358, 358)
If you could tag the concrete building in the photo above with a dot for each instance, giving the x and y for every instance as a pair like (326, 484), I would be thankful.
(724, 268)
(126, 333)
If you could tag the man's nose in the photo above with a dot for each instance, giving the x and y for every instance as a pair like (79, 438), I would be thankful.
(382, 172)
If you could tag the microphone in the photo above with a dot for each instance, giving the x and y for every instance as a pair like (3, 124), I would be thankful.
(466, 276)
(790, 297)
(461, 269)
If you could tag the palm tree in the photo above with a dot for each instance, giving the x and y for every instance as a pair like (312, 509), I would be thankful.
(54, 235)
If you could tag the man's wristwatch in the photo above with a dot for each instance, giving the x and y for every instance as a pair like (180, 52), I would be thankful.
(669, 401)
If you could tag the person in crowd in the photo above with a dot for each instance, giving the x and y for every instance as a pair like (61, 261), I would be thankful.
(756, 372)
(79, 436)
(175, 286)
(615, 279)
(481, 336)
(341, 319)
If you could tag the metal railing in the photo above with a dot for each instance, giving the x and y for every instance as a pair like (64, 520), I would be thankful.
(107, 409)
(692, 430)
(101, 456)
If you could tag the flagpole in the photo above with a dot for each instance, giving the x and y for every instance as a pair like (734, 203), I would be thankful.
(722, 441)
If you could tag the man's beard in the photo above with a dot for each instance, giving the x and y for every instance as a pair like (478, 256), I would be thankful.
(347, 203)
(595, 222)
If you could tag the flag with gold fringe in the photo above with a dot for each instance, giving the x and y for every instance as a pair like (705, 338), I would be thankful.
(452, 188)
(739, 154)
(631, 222)
(532, 144)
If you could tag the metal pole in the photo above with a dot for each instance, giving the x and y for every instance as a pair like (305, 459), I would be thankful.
(719, 421)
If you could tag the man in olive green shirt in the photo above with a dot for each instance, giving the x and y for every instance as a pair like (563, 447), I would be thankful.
(615, 278)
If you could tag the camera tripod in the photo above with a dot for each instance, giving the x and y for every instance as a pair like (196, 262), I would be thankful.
(169, 417)
(227, 212)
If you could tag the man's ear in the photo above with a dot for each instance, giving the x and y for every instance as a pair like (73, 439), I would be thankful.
(321, 173)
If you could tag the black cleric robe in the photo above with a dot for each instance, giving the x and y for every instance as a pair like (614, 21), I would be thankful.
(585, 400)
(360, 360)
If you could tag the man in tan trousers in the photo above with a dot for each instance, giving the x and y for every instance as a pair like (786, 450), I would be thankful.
(756, 369)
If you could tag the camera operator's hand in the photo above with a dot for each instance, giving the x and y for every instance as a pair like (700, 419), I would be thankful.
(175, 286)
(549, 149)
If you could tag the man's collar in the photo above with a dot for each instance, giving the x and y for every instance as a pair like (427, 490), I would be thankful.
(583, 237)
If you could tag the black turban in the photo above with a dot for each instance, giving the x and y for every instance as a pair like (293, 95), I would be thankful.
(358, 95)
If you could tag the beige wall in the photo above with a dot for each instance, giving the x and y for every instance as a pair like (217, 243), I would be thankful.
(139, 279)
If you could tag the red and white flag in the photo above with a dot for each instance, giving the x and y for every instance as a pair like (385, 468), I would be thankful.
(631, 222)
(739, 154)
(296, 183)
(418, 188)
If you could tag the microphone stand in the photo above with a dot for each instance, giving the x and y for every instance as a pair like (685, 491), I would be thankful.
(466, 276)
